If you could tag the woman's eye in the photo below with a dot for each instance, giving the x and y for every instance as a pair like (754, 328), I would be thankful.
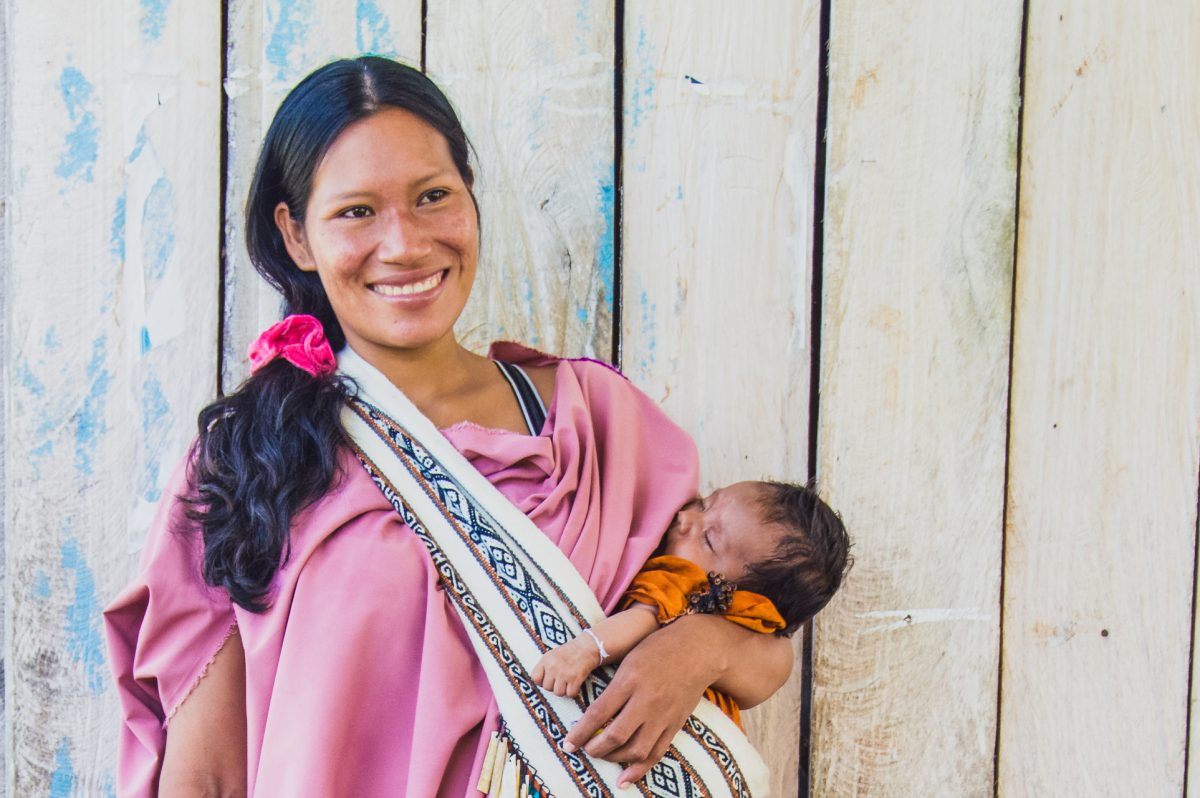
(434, 195)
(708, 542)
(357, 212)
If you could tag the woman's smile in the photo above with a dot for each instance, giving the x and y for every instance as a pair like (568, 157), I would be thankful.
(412, 287)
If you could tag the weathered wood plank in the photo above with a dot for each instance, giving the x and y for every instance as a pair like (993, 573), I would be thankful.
(719, 139)
(533, 83)
(5, 269)
(1105, 405)
(272, 45)
(921, 176)
(111, 300)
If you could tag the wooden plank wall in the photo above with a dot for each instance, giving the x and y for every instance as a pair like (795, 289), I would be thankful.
(4, 398)
(1099, 569)
(920, 193)
(716, 251)
(1019, 467)
(112, 273)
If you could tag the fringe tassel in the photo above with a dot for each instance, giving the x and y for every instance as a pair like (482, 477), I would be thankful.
(505, 775)
(489, 759)
(510, 782)
(498, 770)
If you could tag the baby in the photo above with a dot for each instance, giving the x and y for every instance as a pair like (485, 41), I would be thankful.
(765, 555)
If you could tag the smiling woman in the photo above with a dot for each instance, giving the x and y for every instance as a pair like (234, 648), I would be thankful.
(289, 633)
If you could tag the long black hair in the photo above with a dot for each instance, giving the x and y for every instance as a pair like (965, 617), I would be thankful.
(271, 448)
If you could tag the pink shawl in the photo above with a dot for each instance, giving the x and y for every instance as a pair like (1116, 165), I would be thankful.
(360, 680)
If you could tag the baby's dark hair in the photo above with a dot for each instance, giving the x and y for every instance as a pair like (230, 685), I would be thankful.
(811, 560)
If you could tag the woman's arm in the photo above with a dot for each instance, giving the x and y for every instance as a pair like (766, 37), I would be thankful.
(660, 682)
(206, 739)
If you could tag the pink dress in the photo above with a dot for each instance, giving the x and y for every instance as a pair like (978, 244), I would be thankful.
(360, 680)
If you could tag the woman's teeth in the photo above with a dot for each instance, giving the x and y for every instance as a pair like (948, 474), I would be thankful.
(427, 284)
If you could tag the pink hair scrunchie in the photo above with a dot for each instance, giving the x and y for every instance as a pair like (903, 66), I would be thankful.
(300, 340)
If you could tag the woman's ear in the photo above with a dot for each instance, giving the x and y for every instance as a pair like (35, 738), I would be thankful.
(294, 239)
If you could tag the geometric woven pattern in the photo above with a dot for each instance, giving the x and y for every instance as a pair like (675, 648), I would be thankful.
(535, 601)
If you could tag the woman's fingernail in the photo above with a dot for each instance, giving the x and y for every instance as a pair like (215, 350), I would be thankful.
(568, 746)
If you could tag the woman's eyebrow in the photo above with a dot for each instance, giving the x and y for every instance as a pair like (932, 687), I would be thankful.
(351, 195)
(431, 175)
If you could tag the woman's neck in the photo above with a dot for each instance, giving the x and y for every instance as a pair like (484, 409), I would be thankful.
(433, 376)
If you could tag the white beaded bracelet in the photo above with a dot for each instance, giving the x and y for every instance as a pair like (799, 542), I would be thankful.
(599, 644)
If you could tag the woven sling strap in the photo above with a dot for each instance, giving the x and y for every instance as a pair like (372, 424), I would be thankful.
(518, 596)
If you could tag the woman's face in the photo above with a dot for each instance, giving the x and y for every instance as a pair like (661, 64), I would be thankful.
(392, 232)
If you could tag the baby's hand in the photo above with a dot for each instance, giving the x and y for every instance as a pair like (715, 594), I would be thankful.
(562, 670)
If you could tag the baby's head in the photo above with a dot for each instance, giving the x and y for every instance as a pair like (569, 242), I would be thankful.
(773, 538)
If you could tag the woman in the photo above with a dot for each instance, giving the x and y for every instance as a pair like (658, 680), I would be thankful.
(287, 631)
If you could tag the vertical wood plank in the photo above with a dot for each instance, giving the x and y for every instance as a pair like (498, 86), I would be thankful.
(533, 83)
(112, 277)
(272, 44)
(5, 269)
(920, 191)
(719, 125)
(1105, 405)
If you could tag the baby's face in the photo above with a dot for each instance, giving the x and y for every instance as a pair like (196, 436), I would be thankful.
(724, 531)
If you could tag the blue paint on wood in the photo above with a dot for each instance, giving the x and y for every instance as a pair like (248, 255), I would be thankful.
(648, 311)
(151, 492)
(158, 229)
(28, 380)
(145, 340)
(583, 26)
(38, 455)
(116, 235)
(605, 250)
(41, 585)
(89, 420)
(62, 779)
(84, 642)
(139, 144)
(156, 420)
(51, 340)
(641, 89)
(373, 32)
(82, 143)
(154, 18)
(288, 32)
(678, 192)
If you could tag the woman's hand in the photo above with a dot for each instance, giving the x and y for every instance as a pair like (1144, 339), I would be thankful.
(660, 682)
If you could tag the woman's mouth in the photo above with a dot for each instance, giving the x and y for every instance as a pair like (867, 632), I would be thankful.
(410, 289)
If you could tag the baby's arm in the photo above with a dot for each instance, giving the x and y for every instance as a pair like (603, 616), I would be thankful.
(562, 670)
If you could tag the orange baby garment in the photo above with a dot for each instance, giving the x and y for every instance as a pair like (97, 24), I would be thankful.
(666, 582)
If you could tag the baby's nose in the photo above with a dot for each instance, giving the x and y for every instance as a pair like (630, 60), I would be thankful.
(688, 519)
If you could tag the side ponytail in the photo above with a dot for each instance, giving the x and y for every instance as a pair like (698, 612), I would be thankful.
(263, 453)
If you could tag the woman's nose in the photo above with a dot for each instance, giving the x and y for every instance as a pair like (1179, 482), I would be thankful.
(404, 239)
